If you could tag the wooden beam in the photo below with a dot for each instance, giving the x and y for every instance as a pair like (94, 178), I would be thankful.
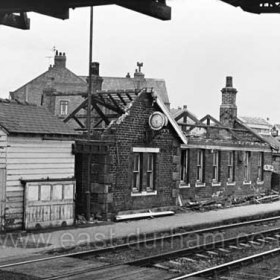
(81, 106)
(129, 97)
(109, 106)
(58, 12)
(154, 8)
(114, 101)
(122, 100)
(17, 21)
(101, 114)
(157, 9)
(79, 122)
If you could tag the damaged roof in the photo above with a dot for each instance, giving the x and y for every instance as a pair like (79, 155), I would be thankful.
(17, 117)
(119, 83)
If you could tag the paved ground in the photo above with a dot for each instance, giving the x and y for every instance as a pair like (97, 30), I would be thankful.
(32, 243)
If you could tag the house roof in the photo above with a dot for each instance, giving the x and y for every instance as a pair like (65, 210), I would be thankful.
(16, 117)
(179, 113)
(119, 83)
(255, 121)
(172, 121)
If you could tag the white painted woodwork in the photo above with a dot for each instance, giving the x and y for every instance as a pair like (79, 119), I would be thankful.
(31, 158)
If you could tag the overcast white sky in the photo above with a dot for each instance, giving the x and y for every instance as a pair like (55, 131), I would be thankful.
(205, 41)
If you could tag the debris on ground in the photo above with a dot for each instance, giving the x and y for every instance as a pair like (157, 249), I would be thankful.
(218, 202)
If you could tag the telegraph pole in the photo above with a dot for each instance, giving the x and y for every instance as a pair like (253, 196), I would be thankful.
(88, 191)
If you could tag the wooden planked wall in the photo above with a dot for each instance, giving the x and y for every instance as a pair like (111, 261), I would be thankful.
(31, 158)
(3, 150)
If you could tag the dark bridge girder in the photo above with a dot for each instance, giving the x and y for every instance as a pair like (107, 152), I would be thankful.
(9, 9)
(256, 6)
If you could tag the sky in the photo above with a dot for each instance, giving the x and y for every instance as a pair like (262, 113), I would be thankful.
(205, 41)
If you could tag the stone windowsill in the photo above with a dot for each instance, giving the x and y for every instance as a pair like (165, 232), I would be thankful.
(216, 184)
(200, 185)
(144, 193)
(247, 183)
(231, 183)
(184, 186)
(260, 182)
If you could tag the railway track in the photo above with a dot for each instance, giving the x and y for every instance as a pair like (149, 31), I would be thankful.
(189, 253)
(148, 263)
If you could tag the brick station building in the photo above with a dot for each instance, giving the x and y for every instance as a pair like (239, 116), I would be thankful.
(134, 161)
(223, 159)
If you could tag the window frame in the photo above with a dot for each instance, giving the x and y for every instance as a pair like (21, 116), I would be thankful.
(247, 167)
(66, 111)
(200, 167)
(216, 167)
(231, 167)
(146, 171)
(260, 174)
(184, 168)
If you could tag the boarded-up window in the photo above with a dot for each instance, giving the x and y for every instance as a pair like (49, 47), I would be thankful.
(68, 192)
(45, 192)
(57, 192)
(33, 193)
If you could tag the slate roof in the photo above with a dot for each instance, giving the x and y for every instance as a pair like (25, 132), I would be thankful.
(119, 83)
(177, 112)
(16, 117)
(255, 121)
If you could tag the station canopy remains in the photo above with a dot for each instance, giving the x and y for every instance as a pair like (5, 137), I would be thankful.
(14, 13)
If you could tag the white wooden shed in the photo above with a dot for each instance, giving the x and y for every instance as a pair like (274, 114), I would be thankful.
(37, 184)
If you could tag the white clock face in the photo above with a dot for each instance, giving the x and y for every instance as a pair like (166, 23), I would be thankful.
(157, 121)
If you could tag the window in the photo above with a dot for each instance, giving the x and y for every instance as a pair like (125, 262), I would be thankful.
(216, 163)
(64, 107)
(260, 167)
(143, 172)
(136, 173)
(184, 172)
(231, 167)
(247, 167)
(200, 166)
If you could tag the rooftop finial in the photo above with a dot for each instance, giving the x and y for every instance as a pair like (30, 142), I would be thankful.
(139, 65)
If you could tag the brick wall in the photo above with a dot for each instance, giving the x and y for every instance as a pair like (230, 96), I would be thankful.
(225, 190)
(134, 131)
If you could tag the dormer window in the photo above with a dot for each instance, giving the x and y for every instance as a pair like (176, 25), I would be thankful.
(64, 104)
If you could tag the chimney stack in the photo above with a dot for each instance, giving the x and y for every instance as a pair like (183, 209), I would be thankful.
(96, 80)
(228, 108)
(60, 60)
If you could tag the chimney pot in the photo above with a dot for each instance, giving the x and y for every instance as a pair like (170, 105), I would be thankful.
(185, 107)
(228, 81)
(94, 69)
(60, 60)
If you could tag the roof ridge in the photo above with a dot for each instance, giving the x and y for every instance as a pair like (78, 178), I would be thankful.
(16, 101)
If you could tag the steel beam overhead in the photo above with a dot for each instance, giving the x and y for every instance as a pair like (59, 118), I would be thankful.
(60, 9)
(256, 6)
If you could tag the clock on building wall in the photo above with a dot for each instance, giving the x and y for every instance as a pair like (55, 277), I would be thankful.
(157, 120)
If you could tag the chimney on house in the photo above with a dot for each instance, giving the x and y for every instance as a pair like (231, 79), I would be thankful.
(138, 74)
(96, 80)
(48, 99)
(60, 60)
(228, 108)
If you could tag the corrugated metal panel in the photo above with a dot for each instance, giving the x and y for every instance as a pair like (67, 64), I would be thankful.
(31, 158)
